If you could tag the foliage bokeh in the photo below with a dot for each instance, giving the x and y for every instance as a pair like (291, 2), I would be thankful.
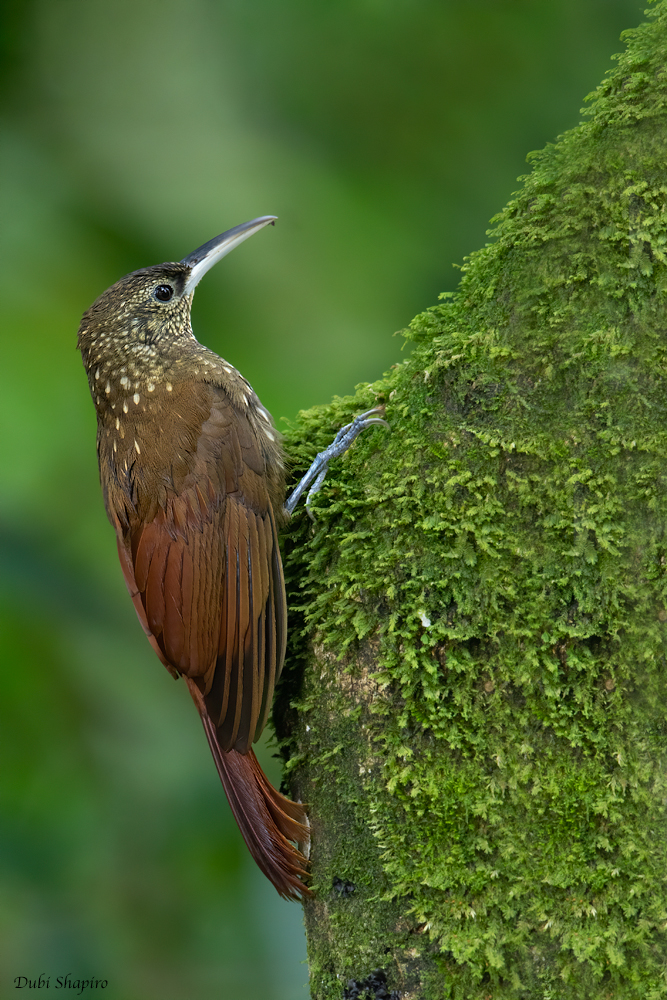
(384, 137)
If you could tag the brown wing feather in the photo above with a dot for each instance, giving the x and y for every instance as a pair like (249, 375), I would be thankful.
(198, 546)
(205, 575)
(248, 663)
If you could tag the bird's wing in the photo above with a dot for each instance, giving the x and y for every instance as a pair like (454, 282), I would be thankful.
(204, 572)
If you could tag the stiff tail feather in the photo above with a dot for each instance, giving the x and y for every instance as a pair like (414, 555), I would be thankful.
(268, 821)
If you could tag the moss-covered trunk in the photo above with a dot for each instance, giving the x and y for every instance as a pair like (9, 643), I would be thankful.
(480, 606)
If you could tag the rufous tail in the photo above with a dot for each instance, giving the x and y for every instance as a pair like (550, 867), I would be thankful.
(267, 820)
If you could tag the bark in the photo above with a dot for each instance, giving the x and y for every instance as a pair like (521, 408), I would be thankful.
(477, 670)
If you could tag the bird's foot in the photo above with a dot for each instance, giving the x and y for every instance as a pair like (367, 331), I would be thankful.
(315, 476)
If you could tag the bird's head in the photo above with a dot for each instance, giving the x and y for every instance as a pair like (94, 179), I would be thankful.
(149, 309)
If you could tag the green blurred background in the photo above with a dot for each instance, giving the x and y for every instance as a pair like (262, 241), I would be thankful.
(384, 134)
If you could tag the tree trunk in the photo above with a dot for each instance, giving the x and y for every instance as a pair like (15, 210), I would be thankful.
(477, 671)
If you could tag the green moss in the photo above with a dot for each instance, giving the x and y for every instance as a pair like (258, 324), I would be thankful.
(499, 560)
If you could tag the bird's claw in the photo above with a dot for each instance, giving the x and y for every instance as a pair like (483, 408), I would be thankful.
(313, 479)
(356, 426)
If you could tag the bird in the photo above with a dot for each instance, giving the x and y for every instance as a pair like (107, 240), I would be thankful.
(193, 478)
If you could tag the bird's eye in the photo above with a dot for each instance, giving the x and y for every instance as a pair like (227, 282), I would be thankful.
(163, 293)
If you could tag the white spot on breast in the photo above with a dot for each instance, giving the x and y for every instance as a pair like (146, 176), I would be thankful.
(169, 387)
(107, 388)
(117, 423)
(125, 407)
(97, 373)
(125, 380)
(136, 445)
(136, 398)
(150, 386)
(270, 435)
(115, 446)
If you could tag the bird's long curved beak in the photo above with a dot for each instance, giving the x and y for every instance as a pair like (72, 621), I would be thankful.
(204, 257)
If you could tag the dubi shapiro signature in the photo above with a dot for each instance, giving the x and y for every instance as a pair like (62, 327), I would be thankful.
(68, 982)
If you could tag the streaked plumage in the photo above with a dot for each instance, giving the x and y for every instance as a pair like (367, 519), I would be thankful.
(192, 476)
